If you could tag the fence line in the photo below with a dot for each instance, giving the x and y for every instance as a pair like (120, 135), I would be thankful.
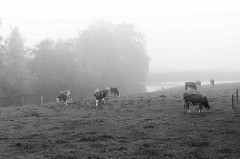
(26, 95)
(27, 99)
(235, 99)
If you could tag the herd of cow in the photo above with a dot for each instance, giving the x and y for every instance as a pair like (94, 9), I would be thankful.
(100, 95)
(64, 97)
(195, 98)
(196, 85)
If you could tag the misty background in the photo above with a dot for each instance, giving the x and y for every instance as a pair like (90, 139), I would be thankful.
(48, 46)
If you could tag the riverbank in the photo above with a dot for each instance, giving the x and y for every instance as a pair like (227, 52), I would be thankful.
(156, 86)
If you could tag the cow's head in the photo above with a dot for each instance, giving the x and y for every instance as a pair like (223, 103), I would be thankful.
(205, 103)
(96, 92)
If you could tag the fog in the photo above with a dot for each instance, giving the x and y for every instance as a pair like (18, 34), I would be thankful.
(192, 35)
(195, 39)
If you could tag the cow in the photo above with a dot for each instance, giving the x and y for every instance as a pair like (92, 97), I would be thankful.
(198, 83)
(113, 92)
(100, 95)
(191, 85)
(64, 97)
(212, 82)
(195, 99)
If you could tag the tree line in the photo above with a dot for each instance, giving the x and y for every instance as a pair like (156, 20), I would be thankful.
(104, 54)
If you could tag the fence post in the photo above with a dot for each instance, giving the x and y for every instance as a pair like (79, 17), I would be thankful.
(22, 100)
(237, 96)
(232, 100)
(41, 99)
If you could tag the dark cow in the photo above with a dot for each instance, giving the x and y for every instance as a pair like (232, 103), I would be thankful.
(64, 97)
(100, 95)
(198, 83)
(191, 85)
(195, 99)
(212, 82)
(113, 92)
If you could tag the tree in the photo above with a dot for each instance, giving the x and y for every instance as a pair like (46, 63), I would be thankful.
(103, 55)
(117, 52)
(15, 70)
(54, 66)
(2, 64)
(15, 47)
(2, 53)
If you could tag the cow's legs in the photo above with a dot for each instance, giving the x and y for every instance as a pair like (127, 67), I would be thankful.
(200, 108)
(97, 103)
(186, 106)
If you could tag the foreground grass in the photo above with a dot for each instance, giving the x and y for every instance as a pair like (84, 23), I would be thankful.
(150, 125)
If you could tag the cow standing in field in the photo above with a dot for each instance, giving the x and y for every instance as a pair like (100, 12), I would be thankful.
(64, 97)
(198, 83)
(191, 85)
(212, 82)
(113, 92)
(195, 99)
(100, 95)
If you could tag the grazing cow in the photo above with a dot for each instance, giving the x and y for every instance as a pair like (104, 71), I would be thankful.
(113, 92)
(64, 97)
(198, 83)
(194, 99)
(191, 85)
(100, 95)
(61, 99)
(212, 82)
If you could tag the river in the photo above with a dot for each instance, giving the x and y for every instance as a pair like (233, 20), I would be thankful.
(155, 86)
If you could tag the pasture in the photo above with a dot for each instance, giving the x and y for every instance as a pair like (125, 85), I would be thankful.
(149, 125)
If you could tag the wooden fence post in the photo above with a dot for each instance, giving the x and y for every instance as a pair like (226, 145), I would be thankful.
(237, 96)
(22, 100)
(232, 100)
(41, 99)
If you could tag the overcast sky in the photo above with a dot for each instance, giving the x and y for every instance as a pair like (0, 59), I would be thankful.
(202, 35)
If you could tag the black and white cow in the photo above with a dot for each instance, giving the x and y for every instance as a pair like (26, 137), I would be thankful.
(113, 92)
(195, 99)
(64, 97)
(100, 95)
(191, 85)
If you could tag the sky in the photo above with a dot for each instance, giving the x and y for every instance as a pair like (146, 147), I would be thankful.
(181, 35)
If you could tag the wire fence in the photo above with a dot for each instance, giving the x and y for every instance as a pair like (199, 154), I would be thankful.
(27, 99)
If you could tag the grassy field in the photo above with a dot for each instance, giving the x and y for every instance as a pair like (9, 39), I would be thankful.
(150, 125)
